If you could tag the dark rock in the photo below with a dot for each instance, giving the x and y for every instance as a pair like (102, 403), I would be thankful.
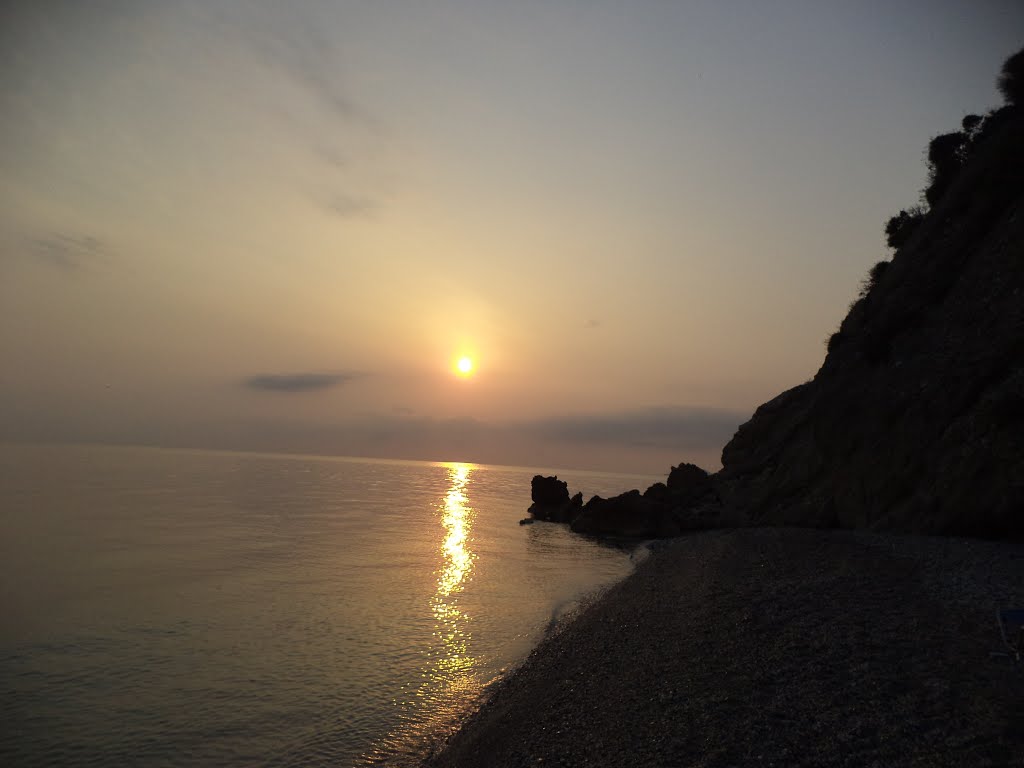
(527, 521)
(688, 503)
(549, 491)
(628, 514)
(657, 492)
(551, 500)
(688, 484)
(686, 476)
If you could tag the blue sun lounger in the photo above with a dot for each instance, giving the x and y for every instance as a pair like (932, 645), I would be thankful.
(1011, 627)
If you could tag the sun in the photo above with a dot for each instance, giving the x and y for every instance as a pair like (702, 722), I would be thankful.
(464, 366)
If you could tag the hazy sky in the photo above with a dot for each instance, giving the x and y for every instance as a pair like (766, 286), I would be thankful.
(275, 226)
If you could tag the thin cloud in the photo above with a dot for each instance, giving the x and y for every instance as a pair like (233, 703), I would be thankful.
(297, 382)
(350, 206)
(68, 253)
(296, 48)
(309, 63)
(331, 157)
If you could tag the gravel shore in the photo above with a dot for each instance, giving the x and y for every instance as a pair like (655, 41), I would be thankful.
(773, 647)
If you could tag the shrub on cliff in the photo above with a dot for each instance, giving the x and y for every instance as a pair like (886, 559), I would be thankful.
(948, 152)
(874, 275)
(946, 155)
(971, 124)
(1011, 79)
(901, 226)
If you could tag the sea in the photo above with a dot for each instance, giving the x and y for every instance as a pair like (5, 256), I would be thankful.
(198, 608)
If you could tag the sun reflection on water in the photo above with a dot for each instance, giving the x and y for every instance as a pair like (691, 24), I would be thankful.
(453, 662)
(449, 680)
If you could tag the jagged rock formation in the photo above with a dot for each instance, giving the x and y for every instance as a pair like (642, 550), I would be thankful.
(548, 492)
(551, 500)
(687, 502)
(915, 421)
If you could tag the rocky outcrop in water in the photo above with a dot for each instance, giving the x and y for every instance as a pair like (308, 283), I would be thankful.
(548, 491)
(551, 500)
(687, 502)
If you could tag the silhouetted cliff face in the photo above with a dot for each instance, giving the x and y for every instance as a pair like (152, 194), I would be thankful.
(915, 421)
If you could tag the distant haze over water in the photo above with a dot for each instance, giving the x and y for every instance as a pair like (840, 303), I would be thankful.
(198, 608)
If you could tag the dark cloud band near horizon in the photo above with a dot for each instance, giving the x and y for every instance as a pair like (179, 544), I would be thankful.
(297, 382)
(678, 430)
(663, 427)
(649, 439)
(646, 440)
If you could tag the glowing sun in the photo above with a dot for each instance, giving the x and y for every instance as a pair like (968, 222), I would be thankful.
(464, 366)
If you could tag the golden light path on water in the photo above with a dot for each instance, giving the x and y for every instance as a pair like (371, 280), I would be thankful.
(454, 664)
(449, 683)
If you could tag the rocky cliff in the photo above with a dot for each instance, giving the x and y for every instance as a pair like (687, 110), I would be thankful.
(915, 421)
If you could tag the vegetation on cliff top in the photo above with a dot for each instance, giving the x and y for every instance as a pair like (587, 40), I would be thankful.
(947, 155)
(949, 152)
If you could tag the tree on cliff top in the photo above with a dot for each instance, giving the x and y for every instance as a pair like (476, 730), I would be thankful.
(1011, 79)
(947, 153)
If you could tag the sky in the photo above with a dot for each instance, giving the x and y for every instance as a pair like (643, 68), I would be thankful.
(277, 227)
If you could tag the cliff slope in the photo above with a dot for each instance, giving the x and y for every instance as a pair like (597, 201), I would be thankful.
(915, 421)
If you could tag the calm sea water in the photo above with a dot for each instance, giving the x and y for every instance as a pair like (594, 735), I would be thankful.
(164, 608)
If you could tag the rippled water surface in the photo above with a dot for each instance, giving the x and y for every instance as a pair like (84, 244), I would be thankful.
(198, 608)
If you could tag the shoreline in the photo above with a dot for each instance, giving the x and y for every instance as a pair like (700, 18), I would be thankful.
(775, 647)
(422, 742)
(418, 740)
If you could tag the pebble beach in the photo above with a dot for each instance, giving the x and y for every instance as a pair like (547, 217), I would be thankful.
(773, 647)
